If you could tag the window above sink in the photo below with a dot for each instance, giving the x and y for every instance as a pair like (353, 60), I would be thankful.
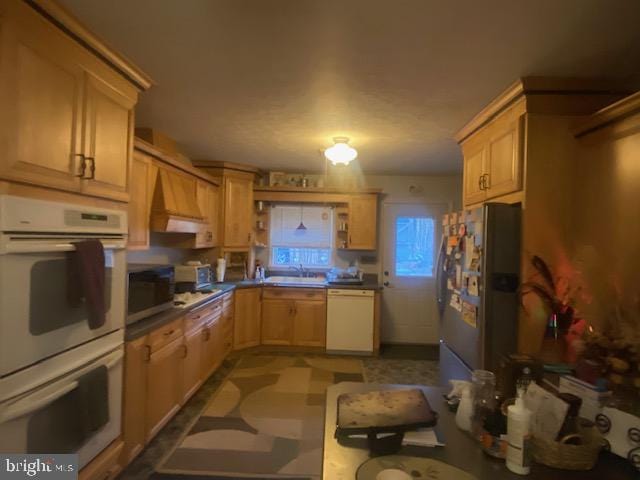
(293, 246)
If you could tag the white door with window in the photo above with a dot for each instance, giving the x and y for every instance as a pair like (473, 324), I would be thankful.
(411, 233)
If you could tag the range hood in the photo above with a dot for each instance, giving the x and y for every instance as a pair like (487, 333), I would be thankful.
(175, 206)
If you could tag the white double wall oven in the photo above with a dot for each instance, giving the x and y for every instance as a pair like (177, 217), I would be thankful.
(60, 379)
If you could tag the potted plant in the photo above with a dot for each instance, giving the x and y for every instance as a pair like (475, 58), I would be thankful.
(555, 296)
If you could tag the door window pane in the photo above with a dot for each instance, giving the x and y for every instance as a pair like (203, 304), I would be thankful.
(414, 246)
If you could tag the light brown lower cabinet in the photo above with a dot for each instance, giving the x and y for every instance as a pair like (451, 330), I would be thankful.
(164, 386)
(164, 368)
(137, 354)
(277, 321)
(247, 318)
(227, 323)
(193, 357)
(212, 352)
(294, 317)
(310, 323)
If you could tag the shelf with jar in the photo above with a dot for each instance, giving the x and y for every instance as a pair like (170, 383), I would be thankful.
(342, 227)
(261, 224)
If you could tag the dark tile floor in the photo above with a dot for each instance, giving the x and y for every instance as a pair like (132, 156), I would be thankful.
(406, 364)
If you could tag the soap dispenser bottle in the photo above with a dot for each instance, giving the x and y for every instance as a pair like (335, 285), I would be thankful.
(518, 435)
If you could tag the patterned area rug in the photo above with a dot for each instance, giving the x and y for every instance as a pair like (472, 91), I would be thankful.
(266, 421)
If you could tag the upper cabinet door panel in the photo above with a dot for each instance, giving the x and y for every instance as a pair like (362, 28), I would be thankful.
(238, 212)
(108, 135)
(362, 222)
(143, 175)
(474, 161)
(504, 159)
(40, 98)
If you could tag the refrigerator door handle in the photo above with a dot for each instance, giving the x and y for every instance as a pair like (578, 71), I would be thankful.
(439, 270)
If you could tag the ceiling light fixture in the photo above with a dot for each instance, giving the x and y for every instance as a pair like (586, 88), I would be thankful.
(341, 153)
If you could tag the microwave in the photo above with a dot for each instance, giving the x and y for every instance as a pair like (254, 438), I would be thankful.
(150, 290)
(197, 275)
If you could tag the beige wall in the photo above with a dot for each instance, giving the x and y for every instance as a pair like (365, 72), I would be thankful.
(606, 220)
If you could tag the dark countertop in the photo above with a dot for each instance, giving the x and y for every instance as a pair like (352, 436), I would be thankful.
(367, 284)
(460, 450)
(149, 324)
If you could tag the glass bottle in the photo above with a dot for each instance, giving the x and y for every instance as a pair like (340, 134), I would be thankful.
(483, 386)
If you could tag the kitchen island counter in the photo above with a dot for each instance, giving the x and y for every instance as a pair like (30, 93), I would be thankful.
(461, 451)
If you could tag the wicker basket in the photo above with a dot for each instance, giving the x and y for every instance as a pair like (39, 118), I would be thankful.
(569, 457)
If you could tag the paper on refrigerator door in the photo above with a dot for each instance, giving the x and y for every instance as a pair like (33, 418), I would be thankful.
(470, 314)
(469, 244)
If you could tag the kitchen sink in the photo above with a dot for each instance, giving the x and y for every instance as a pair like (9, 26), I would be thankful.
(280, 280)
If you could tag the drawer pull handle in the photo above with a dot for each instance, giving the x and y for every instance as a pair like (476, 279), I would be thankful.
(170, 332)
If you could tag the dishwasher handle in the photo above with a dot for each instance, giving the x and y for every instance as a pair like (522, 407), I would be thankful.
(333, 292)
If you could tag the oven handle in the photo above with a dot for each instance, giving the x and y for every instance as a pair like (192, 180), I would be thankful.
(53, 247)
(31, 404)
(114, 360)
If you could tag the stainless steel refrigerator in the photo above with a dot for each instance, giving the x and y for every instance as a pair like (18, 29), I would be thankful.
(476, 287)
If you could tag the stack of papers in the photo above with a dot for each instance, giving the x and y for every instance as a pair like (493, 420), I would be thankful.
(425, 437)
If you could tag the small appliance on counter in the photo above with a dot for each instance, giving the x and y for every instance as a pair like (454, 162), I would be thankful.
(151, 289)
(193, 276)
(342, 276)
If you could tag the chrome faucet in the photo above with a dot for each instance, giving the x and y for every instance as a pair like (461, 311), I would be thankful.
(300, 269)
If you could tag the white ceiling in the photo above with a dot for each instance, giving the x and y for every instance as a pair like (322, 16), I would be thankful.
(270, 82)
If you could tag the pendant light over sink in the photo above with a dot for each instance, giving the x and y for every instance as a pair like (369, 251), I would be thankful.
(301, 227)
(341, 153)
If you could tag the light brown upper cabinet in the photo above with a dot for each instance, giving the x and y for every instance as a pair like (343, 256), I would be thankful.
(517, 148)
(143, 180)
(474, 152)
(66, 120)
(236, 181)
(493, 157)
(363, 212)
(208, 196)
(238, 212)
(108, 137)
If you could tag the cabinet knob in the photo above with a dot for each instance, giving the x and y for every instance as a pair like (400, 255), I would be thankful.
(386, 284)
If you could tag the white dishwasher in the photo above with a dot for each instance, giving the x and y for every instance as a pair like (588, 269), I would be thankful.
(350, 321)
